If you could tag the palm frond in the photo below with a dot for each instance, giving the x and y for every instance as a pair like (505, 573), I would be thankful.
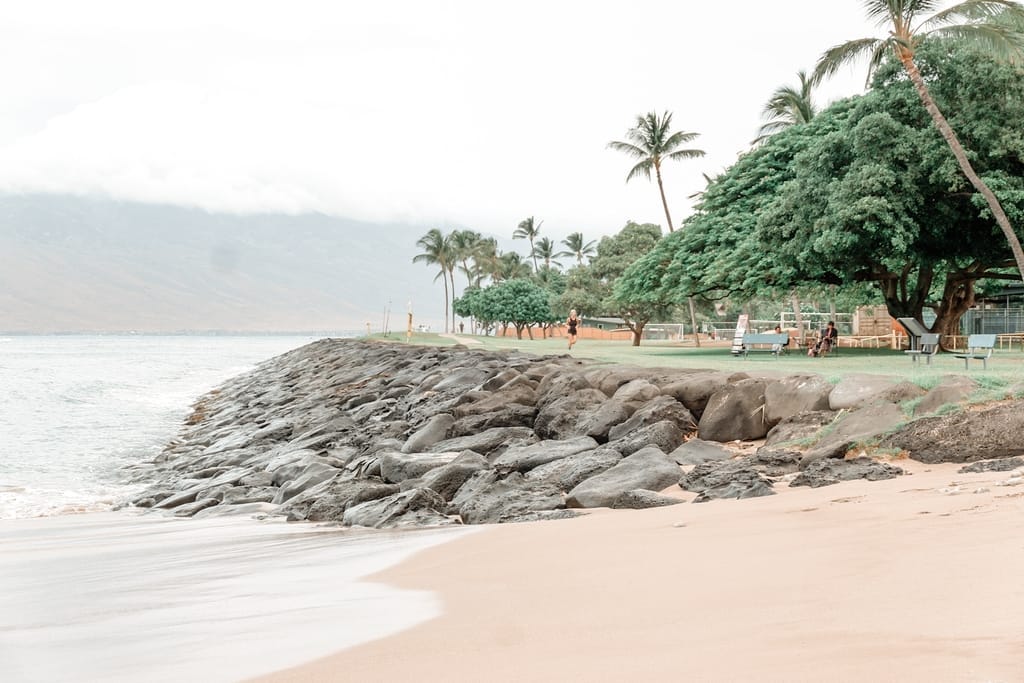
(970, 11)
(849, 52)
(643, 168)
(685, 154)
(1001, 41)
(626, 148)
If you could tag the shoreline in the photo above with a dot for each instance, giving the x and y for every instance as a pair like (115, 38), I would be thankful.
(860, 581)
(122, 596)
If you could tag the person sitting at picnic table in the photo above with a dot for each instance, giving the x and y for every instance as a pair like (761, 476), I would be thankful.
(827, 338)
(777, 348)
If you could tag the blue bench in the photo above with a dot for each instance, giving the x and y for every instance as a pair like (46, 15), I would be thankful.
(776, 342)
(979, 347)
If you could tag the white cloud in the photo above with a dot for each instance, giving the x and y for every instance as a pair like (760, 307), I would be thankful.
(456, 112)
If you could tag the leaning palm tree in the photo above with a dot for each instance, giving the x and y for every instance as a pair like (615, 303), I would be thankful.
(993, 25)
(464, 245)
(485, 260)
(652, 142)
(545, 251)
(511, 266)
(787, 107)
(528, 229)
(577, 248)
(437, 251)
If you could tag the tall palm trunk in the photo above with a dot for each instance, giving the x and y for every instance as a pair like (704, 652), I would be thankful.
(533, 253)
(961, 157)
(668, 217)
(444, 278)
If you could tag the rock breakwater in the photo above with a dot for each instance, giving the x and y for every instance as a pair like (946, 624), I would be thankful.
(388, 435)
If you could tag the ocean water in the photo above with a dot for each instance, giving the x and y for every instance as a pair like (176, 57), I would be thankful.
(74, 410)
(91, 594)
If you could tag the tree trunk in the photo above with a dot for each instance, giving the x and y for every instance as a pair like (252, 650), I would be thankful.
(529, 331)
(519, 330)
(693, 321)
(798, 317)
(957, 298)
(661, 189)
(638, 332)
(444, 277)
(961, 157)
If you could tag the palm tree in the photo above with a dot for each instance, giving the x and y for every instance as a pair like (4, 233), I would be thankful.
(464, 245)
(485, 260)
(652, 142)
(437, 251)
(529, 230)
(545, 251)
(787, 107)
(511, 266)
(577, 248)
(982, 23)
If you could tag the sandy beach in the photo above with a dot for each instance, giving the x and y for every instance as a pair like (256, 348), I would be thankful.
(911, 579)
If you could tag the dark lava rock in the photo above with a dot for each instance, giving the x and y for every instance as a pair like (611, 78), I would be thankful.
(963, 436)
(1003, 465)
(648, 468)
(640, 499)
(828, 472)
(733, 479)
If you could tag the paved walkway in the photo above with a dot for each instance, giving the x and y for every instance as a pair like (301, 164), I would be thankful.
(468, 341)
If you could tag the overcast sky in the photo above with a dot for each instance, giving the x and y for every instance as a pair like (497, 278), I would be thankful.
(450, 113)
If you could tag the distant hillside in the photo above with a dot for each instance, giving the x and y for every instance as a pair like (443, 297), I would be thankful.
(70, 264)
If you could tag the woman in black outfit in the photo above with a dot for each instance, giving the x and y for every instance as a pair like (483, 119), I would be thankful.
(572, 322)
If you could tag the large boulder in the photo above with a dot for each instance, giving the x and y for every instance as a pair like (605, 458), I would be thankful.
(799, 428)
(559, 384)
(566, 473)
(694, 391)
(435, 429)
(416, 507)
(736, 412)
(649, 469)
(794, 395)
(447, 479)
(953, 390)
(698, 451)
(558, 418)
(852, 428)
(665, 435)
(828, 472)
(655, 410)
(734, 479)
(396, 467)
(520, 393)
(486, 442)
(328, 501)
(525, 458)
(855, 391)
(599, 420)
(510, 500)
(963, 436)
(308, 478)
(511, 415)
(640, 499)
(636, 391)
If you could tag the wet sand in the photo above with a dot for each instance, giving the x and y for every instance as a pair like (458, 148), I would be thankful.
(912, 579)
(128, 597)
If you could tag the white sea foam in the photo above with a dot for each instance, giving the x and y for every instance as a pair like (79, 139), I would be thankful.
(128, 597)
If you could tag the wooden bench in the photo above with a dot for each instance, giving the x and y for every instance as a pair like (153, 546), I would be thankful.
(979, 347)
(771, 339)
(927, 347)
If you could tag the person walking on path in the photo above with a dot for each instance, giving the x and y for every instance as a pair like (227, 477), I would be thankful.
(571, 324)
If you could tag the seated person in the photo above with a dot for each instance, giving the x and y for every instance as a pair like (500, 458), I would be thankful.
(777, 348)
(827, 339)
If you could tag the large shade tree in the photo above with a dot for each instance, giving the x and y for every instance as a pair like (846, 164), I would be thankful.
(651, 141)
(993, 25)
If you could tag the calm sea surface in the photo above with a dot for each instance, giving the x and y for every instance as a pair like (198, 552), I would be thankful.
(126, 596)
(75, 409)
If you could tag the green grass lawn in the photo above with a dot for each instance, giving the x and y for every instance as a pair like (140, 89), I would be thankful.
(1005, 368)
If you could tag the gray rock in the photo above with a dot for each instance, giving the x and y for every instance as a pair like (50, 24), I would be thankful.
(828, 472)
(776, 463)
(446, 480)
(736, 412)
(436, 429)
(463, 378)
(250, 509)
(854, 391)
(694, 391)
(648, 468)
(599, 420)
(310, 477)
(487, 442)
(852, 428)
(665, 435)
(698, 451)
(790, 396)
(519, 393)
(509, 500)
(328, 501)
(525, 458)
(963, 436)
(473, 486)
(558, 418)
(954, 389)
(417, 507)
(566, 473)
(257, 479)
(559, 384)
(397, 467)
(511, 415)
(636, 391)
(189, 509)
(1004, 465)
(735, 479)
(655, 410)
(640, 499)
(803, 427)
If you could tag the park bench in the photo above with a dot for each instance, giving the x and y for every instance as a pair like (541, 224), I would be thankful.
(927, 346)
(769, 339)
(979, 347)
